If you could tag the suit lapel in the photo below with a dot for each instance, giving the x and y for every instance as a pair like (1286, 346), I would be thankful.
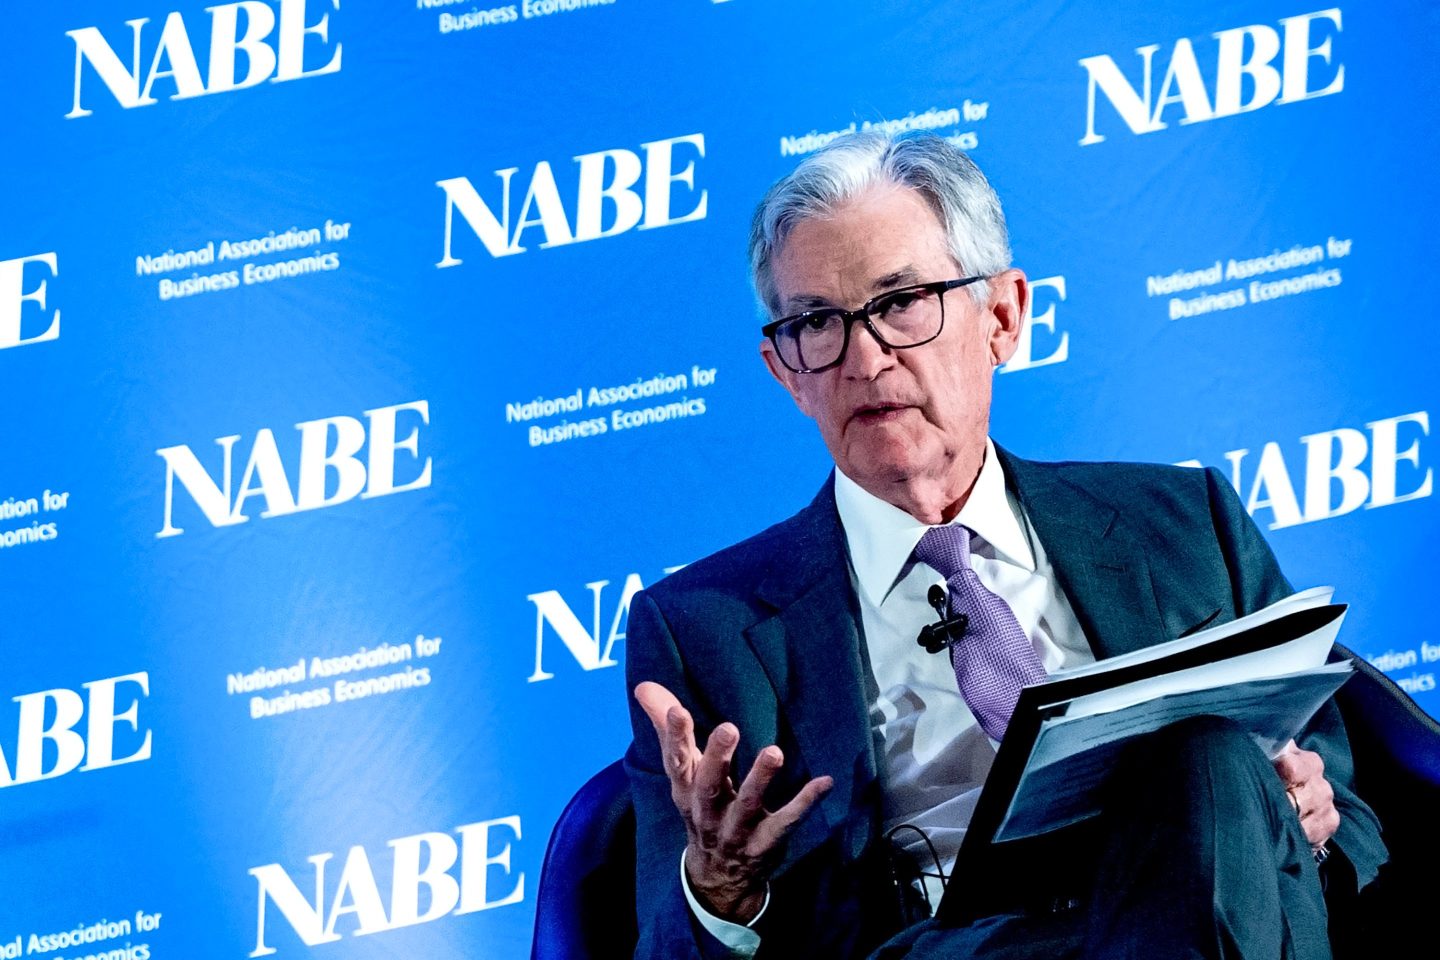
(1103, 570)
(812, 652)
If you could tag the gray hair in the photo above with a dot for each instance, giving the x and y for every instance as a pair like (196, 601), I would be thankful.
(944, 176)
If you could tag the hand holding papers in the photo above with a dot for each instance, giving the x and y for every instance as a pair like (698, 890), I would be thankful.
(1265, 671)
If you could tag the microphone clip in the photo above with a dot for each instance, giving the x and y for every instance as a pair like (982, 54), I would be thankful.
(947, 631)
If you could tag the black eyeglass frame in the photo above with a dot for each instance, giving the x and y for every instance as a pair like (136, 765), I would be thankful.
(863, 315)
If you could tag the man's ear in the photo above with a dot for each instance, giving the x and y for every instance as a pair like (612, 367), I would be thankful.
(1010, 305)
(786, 377)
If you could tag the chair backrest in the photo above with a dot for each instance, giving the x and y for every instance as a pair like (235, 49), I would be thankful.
(1397, 771)
(1389, 724)
(585, 906)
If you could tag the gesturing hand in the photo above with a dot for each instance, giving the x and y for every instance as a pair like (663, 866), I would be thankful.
(733, 841)
(1303, 773)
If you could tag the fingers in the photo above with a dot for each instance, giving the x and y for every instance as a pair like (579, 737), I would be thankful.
(1315, 808)
(722, 821)
(1312, 796)
(749, 807)
(1297, 767)
(677, 745)
(713, 787)
(675, 730)
(1318, 816)
(656, 701)
(776, 826)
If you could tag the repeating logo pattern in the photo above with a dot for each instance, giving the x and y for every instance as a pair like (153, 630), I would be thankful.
(312, 256)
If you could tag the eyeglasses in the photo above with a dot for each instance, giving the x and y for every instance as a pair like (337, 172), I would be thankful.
(817, 339)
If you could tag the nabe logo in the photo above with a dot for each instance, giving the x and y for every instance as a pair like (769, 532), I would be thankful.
(1242, 52)
(65, 709)
(420, 863)
(605, 187)
(174, 56)
(265, 476)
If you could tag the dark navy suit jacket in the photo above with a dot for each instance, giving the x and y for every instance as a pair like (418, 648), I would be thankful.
(766, 634)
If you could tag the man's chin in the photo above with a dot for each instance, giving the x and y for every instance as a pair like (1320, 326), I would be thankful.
(882, 462)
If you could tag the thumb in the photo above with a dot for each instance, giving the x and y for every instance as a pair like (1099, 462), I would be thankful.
(657, 703)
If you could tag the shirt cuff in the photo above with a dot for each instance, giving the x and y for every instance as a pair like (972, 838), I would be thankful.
(740, 939)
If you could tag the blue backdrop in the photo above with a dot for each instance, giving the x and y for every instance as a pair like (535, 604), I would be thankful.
(360, 361)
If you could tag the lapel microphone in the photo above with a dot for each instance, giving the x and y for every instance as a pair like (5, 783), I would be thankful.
(947, 631)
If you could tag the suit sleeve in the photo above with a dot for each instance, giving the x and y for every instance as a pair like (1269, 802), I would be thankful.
(668, 930)
(1256, 582)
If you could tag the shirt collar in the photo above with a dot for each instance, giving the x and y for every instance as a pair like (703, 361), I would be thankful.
(881, 536)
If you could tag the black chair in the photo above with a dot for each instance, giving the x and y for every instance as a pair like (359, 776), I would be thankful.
(1396, 747)
(585, 906)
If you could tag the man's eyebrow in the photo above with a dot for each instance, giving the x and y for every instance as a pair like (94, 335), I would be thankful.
(802, 302)
(896, 278)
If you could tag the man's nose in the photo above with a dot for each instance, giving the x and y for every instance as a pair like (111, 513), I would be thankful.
(866, 356)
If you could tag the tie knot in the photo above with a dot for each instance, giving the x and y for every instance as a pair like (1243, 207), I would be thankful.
(946, 548)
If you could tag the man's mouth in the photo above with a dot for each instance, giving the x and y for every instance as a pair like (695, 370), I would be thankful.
(879, 412)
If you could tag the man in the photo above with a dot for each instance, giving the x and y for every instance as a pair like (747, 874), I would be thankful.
(789, 732)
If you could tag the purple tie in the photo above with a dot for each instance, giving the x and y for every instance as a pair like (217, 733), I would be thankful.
(995, 658)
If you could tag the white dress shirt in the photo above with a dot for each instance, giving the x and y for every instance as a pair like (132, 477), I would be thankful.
(936, 755)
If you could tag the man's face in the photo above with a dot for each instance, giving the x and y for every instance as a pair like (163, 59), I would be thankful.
(896, 417)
